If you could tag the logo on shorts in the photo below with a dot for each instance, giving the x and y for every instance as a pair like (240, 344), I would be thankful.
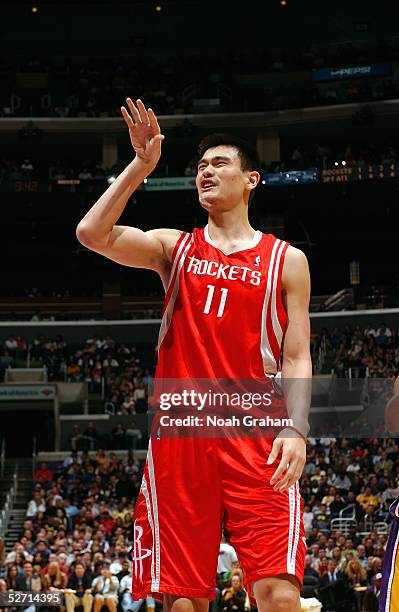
(139, 553)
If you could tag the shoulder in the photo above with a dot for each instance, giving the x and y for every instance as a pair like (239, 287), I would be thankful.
(165, 234)
(295, 269)
(168, 238)
(294, 257)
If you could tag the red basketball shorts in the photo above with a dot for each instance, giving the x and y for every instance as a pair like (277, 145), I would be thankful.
(191, 486)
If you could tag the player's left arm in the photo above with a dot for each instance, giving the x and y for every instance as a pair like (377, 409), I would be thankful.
(296, 370)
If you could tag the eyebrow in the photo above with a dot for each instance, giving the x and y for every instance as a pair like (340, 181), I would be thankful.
(216, 158)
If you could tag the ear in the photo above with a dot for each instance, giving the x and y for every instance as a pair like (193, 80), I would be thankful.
(253, 179)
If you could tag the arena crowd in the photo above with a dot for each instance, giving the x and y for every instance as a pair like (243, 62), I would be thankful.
(79, 521)
(79, 524)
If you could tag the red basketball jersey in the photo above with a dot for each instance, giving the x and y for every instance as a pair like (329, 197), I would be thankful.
(223, 319)
(223, 315)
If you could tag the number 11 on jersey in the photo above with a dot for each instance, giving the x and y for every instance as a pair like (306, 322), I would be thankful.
(222, 301)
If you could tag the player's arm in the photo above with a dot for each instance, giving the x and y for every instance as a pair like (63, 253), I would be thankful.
(296, 368)
(98, 231)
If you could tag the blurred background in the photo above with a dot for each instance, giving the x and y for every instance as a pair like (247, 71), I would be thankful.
(315, 87)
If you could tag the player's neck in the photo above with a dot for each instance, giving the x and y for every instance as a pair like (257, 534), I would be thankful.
(230, 226)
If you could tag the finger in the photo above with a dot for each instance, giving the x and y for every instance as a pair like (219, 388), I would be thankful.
(153, 121)
(129, 121)
(295, 471)
(143, 112)
(279, 471)
(289, 478)
(133, 110)
(157, 137)
(287, 482)
(275, 451)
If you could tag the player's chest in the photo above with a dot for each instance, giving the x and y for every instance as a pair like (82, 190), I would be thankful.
(216, 282)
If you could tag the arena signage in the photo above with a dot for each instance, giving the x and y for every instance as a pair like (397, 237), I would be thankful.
(27, 392)
(170, 183)
(351, 72)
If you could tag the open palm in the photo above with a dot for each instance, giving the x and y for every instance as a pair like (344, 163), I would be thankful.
(145, 133)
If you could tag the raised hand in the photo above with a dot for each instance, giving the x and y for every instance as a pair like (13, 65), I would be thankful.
(145, 133)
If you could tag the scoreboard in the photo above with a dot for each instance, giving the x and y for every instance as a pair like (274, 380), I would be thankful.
(346, 174)
(292, 178)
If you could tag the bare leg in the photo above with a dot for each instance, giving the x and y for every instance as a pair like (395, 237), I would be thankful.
(110, 603)
(174, 603)
(98, 603)
(277, 594)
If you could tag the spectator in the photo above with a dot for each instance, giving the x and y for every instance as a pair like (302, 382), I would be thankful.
(366, 499)
(92, 435)
(53, 578)
(43, 473)
(12, 574)
(36, 504)
(3, 590)
(341, 482)
(233, 598)
(105, 589)
(26, 582)
(13, 554)
(337, 505)
(227, 560)
(328, 584)
(79, 581)
(134, 435)
(126, 600)
(311, 580)
(308, 517)
(356, 574)
(118, 437)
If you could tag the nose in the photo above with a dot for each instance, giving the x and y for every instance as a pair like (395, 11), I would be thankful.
(207, 171)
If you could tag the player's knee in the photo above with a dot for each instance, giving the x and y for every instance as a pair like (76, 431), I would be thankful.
(276, 597)
(181, 604)
(285, 600)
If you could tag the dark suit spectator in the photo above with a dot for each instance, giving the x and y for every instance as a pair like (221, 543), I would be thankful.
(337, 505)
(28, 582)
(92, 434)
(330, 582)
(79, 581)
(331, 575)
(311, 579)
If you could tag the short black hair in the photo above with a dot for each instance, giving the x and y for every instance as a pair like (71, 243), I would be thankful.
(247, 153)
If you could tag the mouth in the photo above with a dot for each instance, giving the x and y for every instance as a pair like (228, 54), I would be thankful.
(207, 185)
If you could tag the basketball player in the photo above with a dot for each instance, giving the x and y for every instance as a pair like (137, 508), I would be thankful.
(389, 593)
(234, 299)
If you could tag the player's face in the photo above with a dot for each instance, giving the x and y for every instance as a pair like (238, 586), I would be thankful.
(221, 182)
